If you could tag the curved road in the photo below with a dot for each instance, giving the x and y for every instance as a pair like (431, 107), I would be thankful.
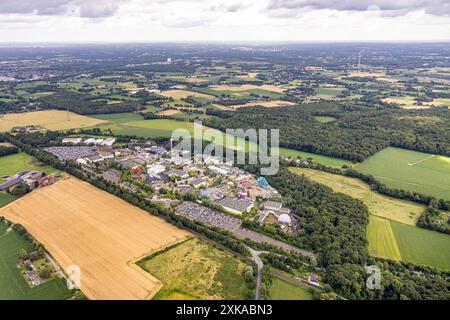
(255, 257)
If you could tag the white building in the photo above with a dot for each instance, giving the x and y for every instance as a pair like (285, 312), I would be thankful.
(218, 170)
(72, 140)
(108, 142)
(236, 206)
(155, 169)
(285, 219)
(91, 141)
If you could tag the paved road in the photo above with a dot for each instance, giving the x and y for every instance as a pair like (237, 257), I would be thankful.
(260, 265)
(257, 237)
(56, 266)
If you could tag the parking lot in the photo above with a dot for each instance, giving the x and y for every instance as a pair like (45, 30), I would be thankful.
(70, 153)
(208, 216)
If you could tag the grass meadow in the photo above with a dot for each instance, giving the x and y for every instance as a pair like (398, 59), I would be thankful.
(379, 205)
(194, 270)
(13, 286)
(283, 290)
(401, 242)
(410, 170)
(12, 164)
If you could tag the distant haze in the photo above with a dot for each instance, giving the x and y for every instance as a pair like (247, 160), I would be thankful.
(221, 20)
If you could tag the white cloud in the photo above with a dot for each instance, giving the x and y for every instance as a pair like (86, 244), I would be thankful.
(216, 20)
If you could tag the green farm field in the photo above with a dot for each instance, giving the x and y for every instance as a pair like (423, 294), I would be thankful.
(118, 118)
(401, 242)
(410, 170)
(378, 205)
(382, 242)
(12, 164)
(329, 91)
(194, 270)
(325, 119)
(6, 198)
(13, 286)
(422, 246)
(283, 290)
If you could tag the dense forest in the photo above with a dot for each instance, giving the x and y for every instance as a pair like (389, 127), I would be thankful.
(334, 226)
(83, 104)
(361, 131)
(7, 149)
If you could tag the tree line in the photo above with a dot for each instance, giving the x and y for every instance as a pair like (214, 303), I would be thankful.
(357, 133)
(84, 104)
(8, 150)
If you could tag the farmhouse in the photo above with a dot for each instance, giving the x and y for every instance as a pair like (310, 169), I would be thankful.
(10, 183)
(314, 279)
(29, 177)
(27, 129)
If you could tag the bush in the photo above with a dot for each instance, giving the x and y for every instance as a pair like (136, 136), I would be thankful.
(45, 273)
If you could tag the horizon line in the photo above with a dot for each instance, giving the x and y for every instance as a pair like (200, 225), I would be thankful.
(247, 42)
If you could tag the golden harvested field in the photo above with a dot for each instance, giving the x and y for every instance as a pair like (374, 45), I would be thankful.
(367, 74)
(114, 102)
(128, 86)
(377, 75)
(6, 144)
(221, 107)
(268, 87)
(266, 104)
(169, 112)
(406, 103)
(181, 94)
(189, 79)
(50, 119)
(102, 234)
(250, 75)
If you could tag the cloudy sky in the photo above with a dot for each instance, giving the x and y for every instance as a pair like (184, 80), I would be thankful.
(223, 20)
